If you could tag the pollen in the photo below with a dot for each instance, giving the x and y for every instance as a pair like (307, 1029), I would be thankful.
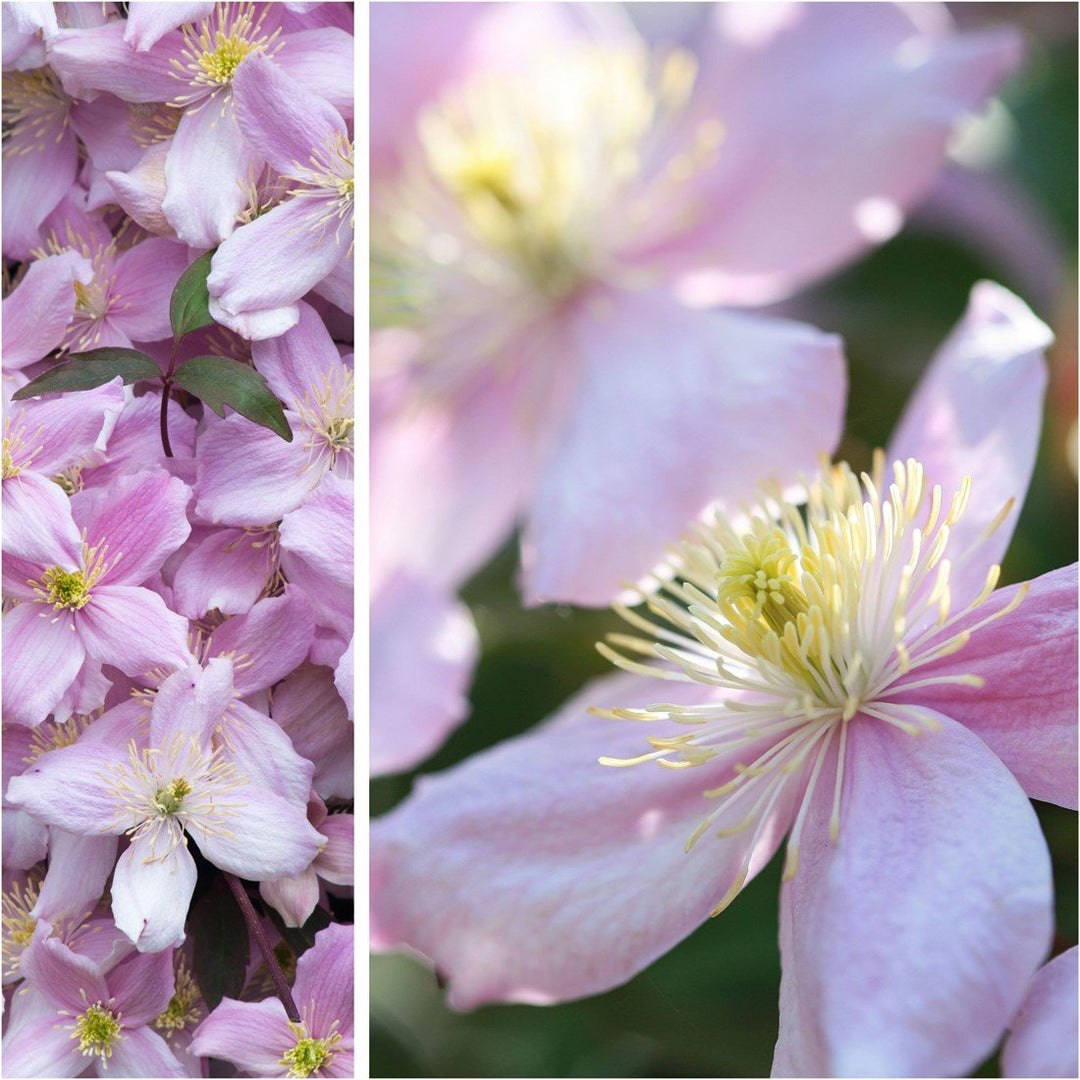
(170, 798)
(185, 1008)
(35, 110)
(66, 588)
(98, 1032)
(19, 924)
(309, 1055)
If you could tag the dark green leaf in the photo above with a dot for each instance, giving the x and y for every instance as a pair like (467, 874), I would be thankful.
(219, 944)
(189, 308)
(219, 381)
(301, 938)
(84, 371)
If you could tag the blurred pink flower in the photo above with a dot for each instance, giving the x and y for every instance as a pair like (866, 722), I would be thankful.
(547, 199)
(1042, 1038)
(850, 678)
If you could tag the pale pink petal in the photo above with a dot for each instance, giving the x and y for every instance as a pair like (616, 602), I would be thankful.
(105, 128)
(147, 22)
(227, 569)
(675, 409)
(293, 898)
(263, 753)
(99, 59)
(343, 676)
(324, 981)
(142, 519)
(255, 324)
(533, 873)
(191, 701)
(142, 986)
(1026, 709)
(41, 1047)
(335, 863)
(1043, 1038)
(63, 974)
(151, 891)
(977, 412)
(448, 480)
(312, 713)
(274, 260)
(252, 1035)
(269, 838)
(68, 788)
(817, 166)
(247, 475)
(281, 119)
(34, 183)
(142, 1052)
(205, 171)
(268, 642)
(132, 629)
(79, 866)
(320, 60)
(299, 363)
(37, 522)
(140, 191)
(37, 313)
(146, 275)
(26, 840)
(339, 286)
(907, 945)
(41, 659)
(424, 646)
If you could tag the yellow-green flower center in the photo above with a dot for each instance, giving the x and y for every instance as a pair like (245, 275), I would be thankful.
(66, 589)
(170, 798)
(308, 1055)
(98, 1032)
(184, 1008)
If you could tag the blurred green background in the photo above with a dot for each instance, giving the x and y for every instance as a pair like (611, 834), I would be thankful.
(709, 1007)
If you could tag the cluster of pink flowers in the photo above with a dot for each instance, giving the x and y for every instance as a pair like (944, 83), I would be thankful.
(178, 538)
(566, 214)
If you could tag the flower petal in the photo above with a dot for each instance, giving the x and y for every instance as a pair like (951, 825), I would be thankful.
(324, 981)
(41, 1047)
(907, 945)
(132, 629)
(151, 892)
(146, 275)
(42, 658)
(675, 409)
(533, 873)
(1043, 1037)
(252, 1035)
(1026, 709)
(142, 1052)
(977, 412)
(143, 986)
(37, 313)
(38, 525)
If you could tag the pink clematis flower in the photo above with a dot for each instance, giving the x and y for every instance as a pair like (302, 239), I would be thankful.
(260, 1039)
(554, 206)
(76, 1018)
(241, 800)
(1042, 1038)
(261, 271)
(849, 677)
(81, 597)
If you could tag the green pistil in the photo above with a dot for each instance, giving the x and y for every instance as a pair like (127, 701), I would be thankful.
(66, 589)
(308, 1055)
(170, 798)
(98, 1031)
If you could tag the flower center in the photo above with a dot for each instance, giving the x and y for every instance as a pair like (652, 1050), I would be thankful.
(18, 924)
(170, 798)
(98, 1032)
(66, 588)
(326, 413)
(807, 618)
(184, 1008)
(326, 179)
(308, 1055)
(35, 110)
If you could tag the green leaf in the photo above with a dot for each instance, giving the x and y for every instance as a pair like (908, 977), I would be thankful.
(189, 307)
(219, 937)
(219, 381)
(84, 371)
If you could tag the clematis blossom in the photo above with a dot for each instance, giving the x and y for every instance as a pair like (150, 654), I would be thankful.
(564, 191)
(839, 668)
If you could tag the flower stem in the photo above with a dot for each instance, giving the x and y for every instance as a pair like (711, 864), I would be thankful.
(167, 380)
(257, 931)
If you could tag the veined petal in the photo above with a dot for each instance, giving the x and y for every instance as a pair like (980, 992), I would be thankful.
(63, 974)
(142, 986)
(650, 444)
(907, 945)
(205, 169)
(41, 1047)
(42, 657)
(227, 569)
(79, 866)
(324, 981)
(252, 1035)
(146, 275)
(142, 1052)
(301, 360)
(320, 60)
(568, 904)
(1025, 710)
(977, 412)
(1042, 1039)
(38, 526)
(148, 22)
(293, 898)
(34, 183)
(335, 863)
(132, 629)
(191, 702)
(37, 313)
(261, 750)
(98, 58)
(151, 892)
